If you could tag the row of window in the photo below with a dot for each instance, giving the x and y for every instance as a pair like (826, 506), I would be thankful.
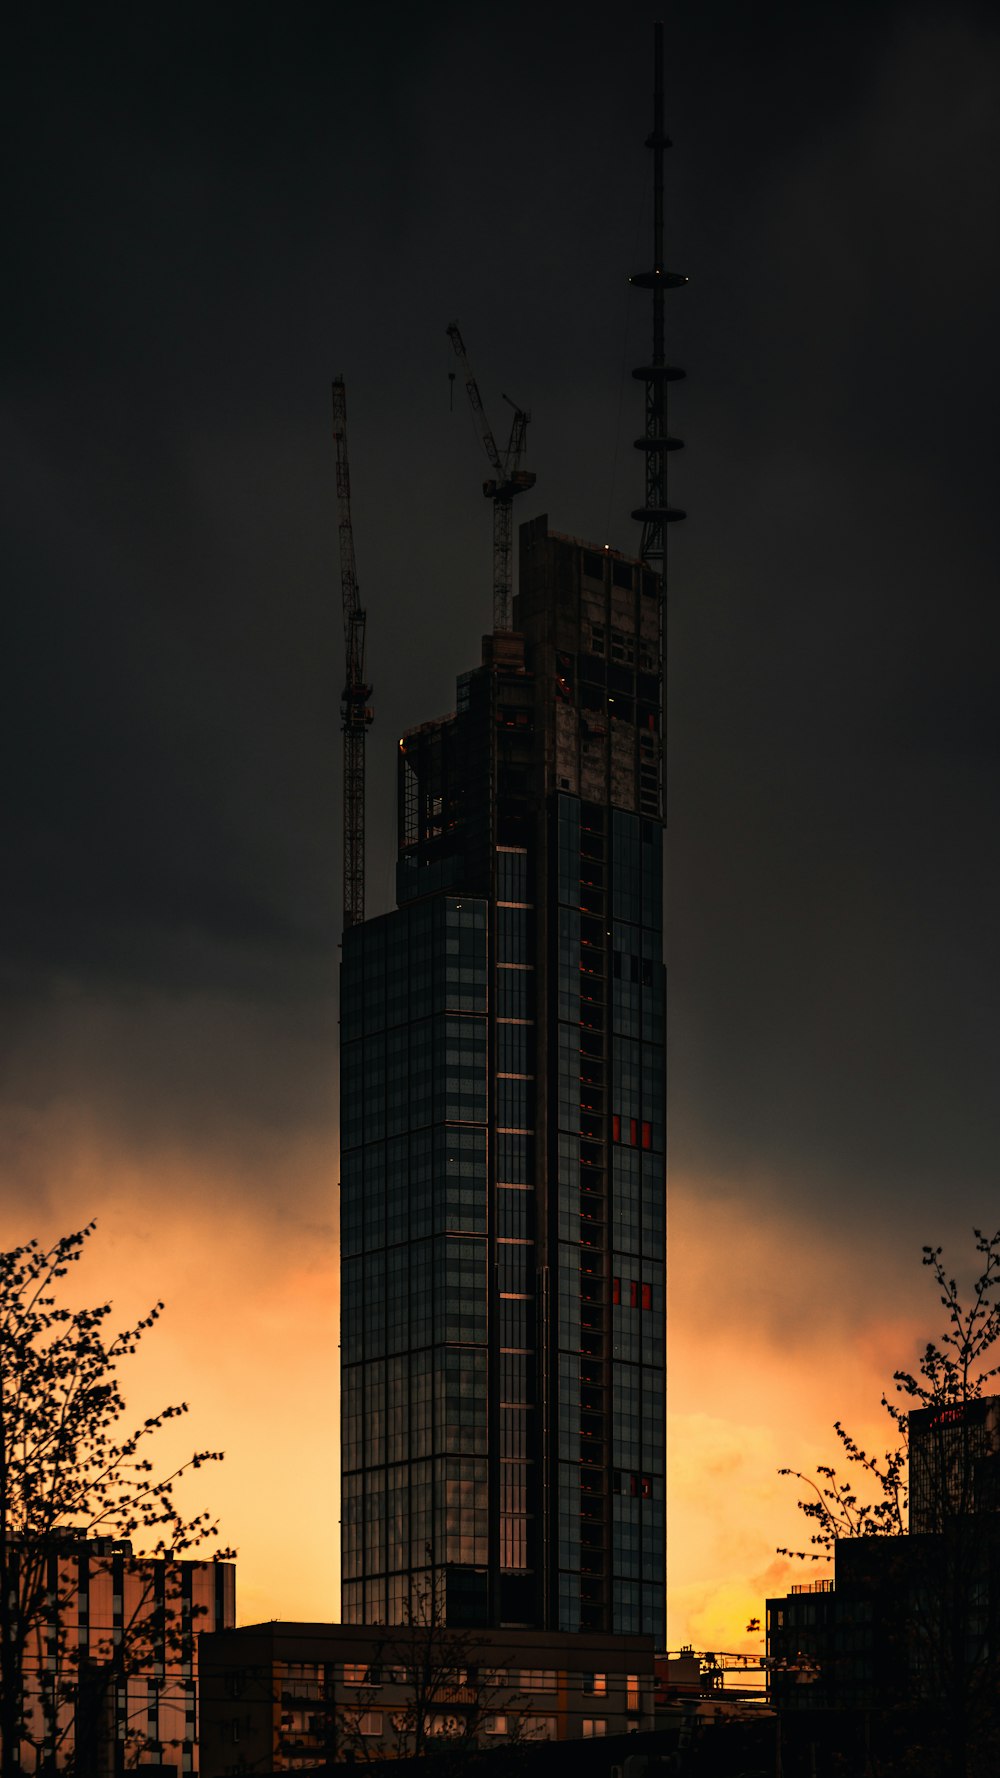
(640, 1487)
(407, 1297)
(415, 961)
(636, 1132)
(637, 1295)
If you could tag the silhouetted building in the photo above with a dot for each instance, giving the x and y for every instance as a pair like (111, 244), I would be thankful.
(831, 1646)
(283, 1695)
(906, 1637)
(502, 1130)
(954, 1461)
(111, 1675)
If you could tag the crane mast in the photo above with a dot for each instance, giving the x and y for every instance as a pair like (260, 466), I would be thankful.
(355, 710)
(507, 480)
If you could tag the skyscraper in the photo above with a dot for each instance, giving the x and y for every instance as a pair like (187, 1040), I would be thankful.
(503, 1101)
(503, 1144)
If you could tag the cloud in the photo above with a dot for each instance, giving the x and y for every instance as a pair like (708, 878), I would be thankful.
(780, 1322)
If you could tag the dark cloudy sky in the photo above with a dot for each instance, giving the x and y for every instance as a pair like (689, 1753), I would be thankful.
(213, 211)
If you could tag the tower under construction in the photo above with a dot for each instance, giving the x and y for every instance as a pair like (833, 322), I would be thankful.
(503, 1118)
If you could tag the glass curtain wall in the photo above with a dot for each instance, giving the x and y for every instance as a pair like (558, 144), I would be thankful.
(413, 1254)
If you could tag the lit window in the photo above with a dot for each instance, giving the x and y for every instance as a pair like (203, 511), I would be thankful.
(370, 1722)
(594, 1725)
(616, 1290)
(647, 1296)
(632, 1703)
(495, 1725)
(594, 1685)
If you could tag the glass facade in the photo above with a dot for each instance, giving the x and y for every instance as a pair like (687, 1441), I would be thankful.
(413, 1251)
(502, 1117)
(611, 1160)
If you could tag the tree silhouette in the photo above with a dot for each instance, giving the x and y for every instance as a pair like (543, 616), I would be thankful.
(69, 1475)
(451, 1692)
(943, 1492)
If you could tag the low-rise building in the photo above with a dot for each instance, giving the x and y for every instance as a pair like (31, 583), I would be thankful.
(904, 1642)
(282, 1696)
(110, 1674)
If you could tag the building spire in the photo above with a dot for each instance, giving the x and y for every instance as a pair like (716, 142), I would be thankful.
(656, 441)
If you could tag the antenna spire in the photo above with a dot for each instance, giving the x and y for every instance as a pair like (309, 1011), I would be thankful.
(355, 710)
(655, 514)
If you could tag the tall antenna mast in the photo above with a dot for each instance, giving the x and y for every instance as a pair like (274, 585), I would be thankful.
(355, 710)
(655, 514)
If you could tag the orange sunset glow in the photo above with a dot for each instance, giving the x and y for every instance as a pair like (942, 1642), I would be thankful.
(763, 1355)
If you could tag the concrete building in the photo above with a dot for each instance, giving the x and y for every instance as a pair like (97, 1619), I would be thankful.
(279, 1697)
(503, 1141)
(111, 1677)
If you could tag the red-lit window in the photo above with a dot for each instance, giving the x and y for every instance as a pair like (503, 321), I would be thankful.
(616, 1290)
(633, 1484)
(634, 1133)
(647, 1135)
(616, 1128)
(633, 1295)
(647, 1296)
(646, 1487)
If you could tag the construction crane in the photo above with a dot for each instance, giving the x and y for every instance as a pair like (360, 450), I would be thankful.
(507, 480)
(355, 709)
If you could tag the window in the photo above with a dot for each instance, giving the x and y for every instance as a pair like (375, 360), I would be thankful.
(594, 1685)
(594, 1725)
(632, 1701)
(370, 1722)
(538, 1679)
(495, 1725)
(512, 874)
